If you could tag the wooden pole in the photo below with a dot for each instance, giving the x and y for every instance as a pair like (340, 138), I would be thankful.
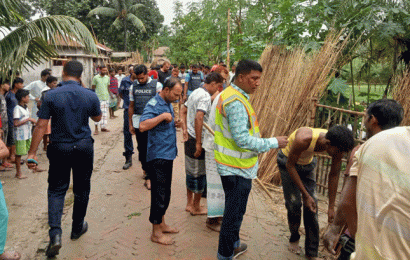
(228, 58)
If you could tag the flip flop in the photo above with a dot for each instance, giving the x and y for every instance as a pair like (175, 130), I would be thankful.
(32, 161)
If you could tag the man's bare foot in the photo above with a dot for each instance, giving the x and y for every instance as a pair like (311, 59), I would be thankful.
(189, 208)
(295, 248)
(36, 169)
(21, 176)
(95, 132)
(10, 255)
(105, 130)
(199, 211)
(162, 239)
(147, 184)
(167, 229)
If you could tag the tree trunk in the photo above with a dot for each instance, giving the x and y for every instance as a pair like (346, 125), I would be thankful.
(125, 34)
(228, 58)
(394, 68)
(368, 73)
(353, 95)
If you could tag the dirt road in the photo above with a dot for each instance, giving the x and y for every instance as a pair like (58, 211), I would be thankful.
(118, 214)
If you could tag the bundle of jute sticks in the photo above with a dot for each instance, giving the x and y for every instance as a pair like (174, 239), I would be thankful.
(290, 80)
(401, 94)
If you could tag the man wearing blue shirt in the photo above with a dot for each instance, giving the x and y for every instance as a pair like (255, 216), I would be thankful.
(237, 145)
(158, 120)
(71, 148)
(124, 91)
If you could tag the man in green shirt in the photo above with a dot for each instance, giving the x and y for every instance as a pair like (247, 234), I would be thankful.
(101, 84)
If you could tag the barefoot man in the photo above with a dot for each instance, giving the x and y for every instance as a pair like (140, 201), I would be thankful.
(158, 120)
(296, 165)
(194, 113)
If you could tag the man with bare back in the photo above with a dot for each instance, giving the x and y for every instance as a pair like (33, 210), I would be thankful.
(296, 165)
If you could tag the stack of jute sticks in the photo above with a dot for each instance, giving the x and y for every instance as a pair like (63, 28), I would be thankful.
(290, 80)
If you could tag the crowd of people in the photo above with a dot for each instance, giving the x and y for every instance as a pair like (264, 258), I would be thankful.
(222, 141)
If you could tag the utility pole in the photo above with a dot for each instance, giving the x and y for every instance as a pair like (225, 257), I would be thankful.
(228, 58)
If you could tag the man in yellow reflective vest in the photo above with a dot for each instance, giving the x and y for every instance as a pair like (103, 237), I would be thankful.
(237, 145)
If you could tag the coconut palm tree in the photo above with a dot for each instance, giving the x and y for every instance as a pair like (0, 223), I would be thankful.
(125, 13)
(33, 42)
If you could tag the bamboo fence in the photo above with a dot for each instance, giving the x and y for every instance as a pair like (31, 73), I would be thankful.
(289, 84)
(401, 94)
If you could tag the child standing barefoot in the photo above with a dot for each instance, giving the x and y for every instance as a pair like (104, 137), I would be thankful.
(22, 123)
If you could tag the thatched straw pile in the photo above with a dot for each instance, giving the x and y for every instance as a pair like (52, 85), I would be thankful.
(136, 58)
(289, 82)
(401, 94)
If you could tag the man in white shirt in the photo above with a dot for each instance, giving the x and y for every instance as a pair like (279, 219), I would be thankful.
(380, 116)
(120, 75)
(35, 88)
(194, 114)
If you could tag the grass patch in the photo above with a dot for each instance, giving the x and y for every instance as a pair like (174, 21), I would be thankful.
(376, 92)
(135, 214)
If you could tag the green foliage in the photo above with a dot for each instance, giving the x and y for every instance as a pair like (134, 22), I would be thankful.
(337, 86)
(31, 43)
(124, 13)
(149, 16)
(250, 47)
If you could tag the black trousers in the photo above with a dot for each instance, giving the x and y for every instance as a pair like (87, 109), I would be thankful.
(77, 157)
(160, 172)
(128, 145)
(142, 144)
(293, 203)
(237, 191)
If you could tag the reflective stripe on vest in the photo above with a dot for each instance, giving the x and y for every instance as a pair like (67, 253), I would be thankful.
(226, 150)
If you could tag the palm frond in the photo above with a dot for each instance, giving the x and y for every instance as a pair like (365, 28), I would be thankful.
(117, 5)
(103, 11)
(118, 24)
(136, 21)
(133, 9)
(34, 42)
(8, 9)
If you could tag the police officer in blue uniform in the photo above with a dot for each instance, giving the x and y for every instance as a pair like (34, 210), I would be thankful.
(193, 81)
(143, 89)
(124, 91)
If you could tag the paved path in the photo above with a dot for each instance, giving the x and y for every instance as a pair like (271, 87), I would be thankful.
(118, 214)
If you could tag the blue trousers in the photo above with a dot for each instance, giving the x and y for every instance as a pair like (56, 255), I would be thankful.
(4, 219)
(64, 157)
(237, 191)
(293, 203)
(128, 145)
